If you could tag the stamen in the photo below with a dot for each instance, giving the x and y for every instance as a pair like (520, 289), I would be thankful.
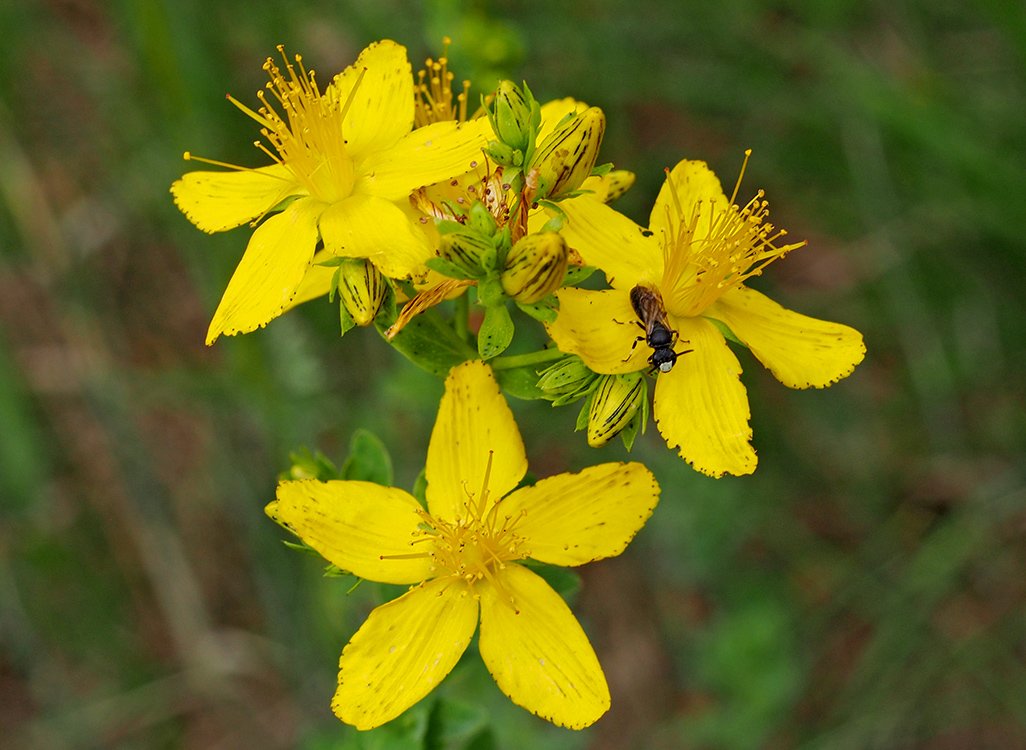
(729, 245)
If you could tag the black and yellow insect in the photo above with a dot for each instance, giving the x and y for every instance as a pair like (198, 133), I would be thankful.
(648, 306)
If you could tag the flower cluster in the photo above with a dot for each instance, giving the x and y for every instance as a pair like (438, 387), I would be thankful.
(445, 230)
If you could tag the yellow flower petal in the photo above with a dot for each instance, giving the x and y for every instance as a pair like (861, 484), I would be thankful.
(537, 651)
(701, 407)
(474, 428)
(361, 527)
(571, 519)
(601, 328)
(425, 156)
(802, 352)
(403, 650)
(697, 188)
(216, 201)
(605, 238)
(270, 271)
(316, 282)
(362, 226)
(382, 108)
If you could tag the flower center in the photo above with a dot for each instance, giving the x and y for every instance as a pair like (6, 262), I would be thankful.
(717, 247)
(478, 542)
(304, 127)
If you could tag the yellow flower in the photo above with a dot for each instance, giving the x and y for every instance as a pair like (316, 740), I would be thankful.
(345, 161)
(697, 253)
(464, 554)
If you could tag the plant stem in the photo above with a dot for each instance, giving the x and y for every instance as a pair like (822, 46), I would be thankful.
(461, 316)
(531, 358)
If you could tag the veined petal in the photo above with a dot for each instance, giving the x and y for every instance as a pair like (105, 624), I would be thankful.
(601, 328)
(403, 650)
(475, 429)
(266, 279)
(216, 201)
(571, 519)
(701, 406)
(361, 527)
(802, 352)
(362, 226)
(382, 108)
(696, 189)
(605, 238)
(425, 156)
(316, 281)
(537, 652)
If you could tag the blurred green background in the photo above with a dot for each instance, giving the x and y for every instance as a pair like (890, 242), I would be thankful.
(864, 589)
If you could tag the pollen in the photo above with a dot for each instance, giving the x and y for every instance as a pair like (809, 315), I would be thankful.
(478, 543)
(716, 247)
(433, 99)
(302, 127)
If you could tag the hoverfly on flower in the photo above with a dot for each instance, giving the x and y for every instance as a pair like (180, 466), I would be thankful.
(648, 305)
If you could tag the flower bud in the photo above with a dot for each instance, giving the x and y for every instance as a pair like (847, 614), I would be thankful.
(566, 381)
(614, 403)
(565, 158)
(361, 287)
(468, 252)
(535, 267)
(512, 114)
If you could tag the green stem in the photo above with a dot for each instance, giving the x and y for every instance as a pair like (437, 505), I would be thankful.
(531, 358)
(462, 314)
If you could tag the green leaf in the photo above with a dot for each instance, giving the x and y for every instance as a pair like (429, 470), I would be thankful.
(520, 382)
(407, 732)
(454, 725)
(577, 274)
(565, 581)
(496, 332)
(420, 488)
(431, 344)
(368, 459)
(307, 464)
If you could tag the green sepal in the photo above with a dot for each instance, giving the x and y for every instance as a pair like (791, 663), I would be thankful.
(601, 170)
(496, 332)
(628, 433)
(388, 311)
(449, 269)
(345, 318)
(481, 220)
(368, 459)
(555, 222)
(582, 415)
(725, 330)
(520, 382)
(431, 344)
(545, 310)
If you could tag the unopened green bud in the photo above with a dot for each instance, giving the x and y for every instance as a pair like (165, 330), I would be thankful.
(566, 157)
(481, 220)
(614, 403)
(535, 267)
(361, 287)
(512, 113)
(566, 381)
(467, 252)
